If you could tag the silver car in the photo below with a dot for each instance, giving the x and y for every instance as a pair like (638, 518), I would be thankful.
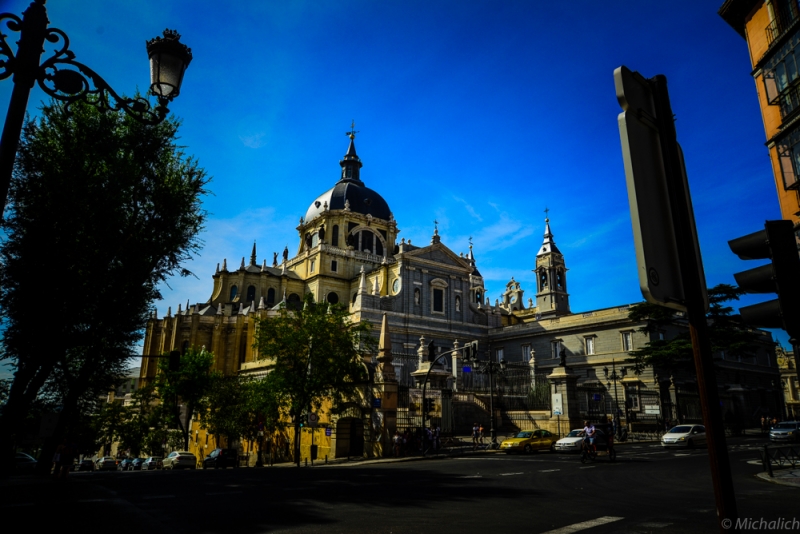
(180, 460)
(684, 436)
(785, 431)
(154, 462)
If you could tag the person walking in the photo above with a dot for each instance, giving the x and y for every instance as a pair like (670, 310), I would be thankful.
(475, 436)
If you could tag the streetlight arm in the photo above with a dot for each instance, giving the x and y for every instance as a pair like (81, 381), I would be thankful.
(70, 85)
(14, 23)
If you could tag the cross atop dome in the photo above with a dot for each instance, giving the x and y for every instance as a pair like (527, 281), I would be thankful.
(352, 133)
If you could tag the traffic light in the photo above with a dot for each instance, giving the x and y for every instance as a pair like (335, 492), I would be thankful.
(174, 361)
(428, 406)
(467, 353)
(431, 351)
(776, 242)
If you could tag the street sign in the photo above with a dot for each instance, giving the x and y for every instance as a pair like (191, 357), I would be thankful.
(558, 408)
(652, 410)
(596, 397)
(376, 403)
(313, 420)
(328, 432)
(647, 179)
(466, 369)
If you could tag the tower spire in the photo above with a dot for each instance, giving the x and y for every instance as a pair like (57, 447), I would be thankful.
(253, 254)
(351, 164)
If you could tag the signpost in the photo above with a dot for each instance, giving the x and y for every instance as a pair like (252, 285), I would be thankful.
(670, 268)
(558, 409)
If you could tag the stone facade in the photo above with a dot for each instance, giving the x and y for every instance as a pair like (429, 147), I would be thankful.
(348, 253)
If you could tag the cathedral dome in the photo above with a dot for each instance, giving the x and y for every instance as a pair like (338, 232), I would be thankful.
(350, 191)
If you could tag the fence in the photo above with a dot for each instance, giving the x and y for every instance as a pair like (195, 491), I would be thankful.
(516, 388)
(780, 457)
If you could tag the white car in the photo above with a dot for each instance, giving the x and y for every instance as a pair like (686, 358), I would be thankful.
(180, 460)
(572, 442)
(684, 436)
(785, 431)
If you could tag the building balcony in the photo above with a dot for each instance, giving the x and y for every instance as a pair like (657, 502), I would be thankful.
(785, 18)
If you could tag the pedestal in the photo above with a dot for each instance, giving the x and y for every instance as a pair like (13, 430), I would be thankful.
(563, 383)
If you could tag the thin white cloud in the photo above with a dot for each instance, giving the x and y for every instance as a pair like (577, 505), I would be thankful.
(468, 207)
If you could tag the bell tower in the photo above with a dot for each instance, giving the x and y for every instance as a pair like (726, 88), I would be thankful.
(551, 278)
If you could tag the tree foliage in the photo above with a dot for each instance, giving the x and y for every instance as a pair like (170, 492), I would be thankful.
(189, 385)
(317, 355)
(726, 332)
(101, 209)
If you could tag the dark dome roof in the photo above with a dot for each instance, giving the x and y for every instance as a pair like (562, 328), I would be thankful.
(362, 200)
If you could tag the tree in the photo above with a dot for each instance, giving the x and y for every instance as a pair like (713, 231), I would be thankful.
(227, 412)
(317, 355)
(727, 333)
(190, 385)
(101, 210)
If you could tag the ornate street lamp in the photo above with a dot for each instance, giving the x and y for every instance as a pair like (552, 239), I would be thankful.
(614, 377)
(65, 79)
(489, 367)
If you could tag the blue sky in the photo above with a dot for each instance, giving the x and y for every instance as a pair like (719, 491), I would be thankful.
(478, 114)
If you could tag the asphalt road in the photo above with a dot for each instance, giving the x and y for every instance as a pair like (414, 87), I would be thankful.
(646, 490)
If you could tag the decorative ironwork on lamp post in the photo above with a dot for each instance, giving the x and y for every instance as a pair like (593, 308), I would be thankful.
(491, 368)
(65, 79)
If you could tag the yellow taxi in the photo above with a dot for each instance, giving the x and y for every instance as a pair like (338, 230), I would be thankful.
(530, 440)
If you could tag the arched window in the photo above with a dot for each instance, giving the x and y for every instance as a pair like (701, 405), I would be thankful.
(251, 293)
(366, 242)
(333, 298)
(234, 292)
(314, 239)
(335, 235)
(478, 297)
(293, 302)
(378, 247)
(271, 296)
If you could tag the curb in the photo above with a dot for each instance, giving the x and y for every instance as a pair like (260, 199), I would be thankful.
(791, 482)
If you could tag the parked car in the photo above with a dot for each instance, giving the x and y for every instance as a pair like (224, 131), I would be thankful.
(84, 465)
(106, 463)
(136, 464)
(684, 436)
(124, 464)
(529, 440)
(180, 460)
(152, 463)
(221, 458)
(24, 463)
(572, 442)
(785, 431)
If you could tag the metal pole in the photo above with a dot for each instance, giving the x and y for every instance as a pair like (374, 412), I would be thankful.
(492, 431)
(695, 310)
(26, 69)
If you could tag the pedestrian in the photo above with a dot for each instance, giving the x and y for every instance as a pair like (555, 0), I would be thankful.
(397, 442)
(763, 424)
(480, 433)
(475, 428)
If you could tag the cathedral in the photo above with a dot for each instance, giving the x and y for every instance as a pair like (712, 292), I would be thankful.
(348, 253)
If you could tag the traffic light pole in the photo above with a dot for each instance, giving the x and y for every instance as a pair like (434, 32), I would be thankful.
(695, 310)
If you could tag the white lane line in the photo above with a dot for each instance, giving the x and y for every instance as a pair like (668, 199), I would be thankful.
(548, 470)
(577, 527)
(681, 454)
(159, 497)
(472, 476)
(511, 474)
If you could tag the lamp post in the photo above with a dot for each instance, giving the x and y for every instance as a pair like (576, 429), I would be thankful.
(489, 367)
(614, 377)
(65, 79)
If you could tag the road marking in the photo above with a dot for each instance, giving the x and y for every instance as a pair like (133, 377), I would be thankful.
(548, 470)
(473, 476)
(577, 527)
(681, 454)
(159, 497)
(588, 467)
(511, 474)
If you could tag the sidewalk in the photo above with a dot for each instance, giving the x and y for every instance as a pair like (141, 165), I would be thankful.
(784, 477)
